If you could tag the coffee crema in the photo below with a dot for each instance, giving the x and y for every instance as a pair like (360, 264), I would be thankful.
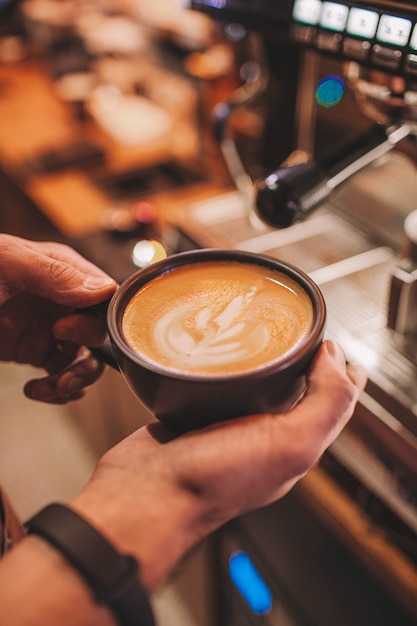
(217, 318)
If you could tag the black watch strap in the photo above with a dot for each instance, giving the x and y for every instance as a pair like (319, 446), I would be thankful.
(112, 577)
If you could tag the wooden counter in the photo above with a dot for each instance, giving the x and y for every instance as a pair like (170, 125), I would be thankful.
(33, 119)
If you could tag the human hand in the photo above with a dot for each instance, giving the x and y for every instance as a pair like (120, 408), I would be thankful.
(157, 495)
(42, 284)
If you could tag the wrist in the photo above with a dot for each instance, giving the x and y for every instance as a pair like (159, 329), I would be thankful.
(159, 529)
(111, 577)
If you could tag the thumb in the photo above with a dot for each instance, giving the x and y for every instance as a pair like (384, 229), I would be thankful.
(55, 272)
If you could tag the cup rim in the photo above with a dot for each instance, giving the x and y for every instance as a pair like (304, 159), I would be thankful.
(134, 282)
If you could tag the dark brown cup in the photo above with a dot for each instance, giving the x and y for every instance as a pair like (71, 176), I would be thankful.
(188, 401)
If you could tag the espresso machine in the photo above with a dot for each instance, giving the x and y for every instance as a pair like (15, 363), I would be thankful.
(331, 187)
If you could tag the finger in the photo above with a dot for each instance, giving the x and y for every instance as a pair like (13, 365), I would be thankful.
(330, 370)
(55, 272)
(333, 391)
(63, 354)
(69, 384)
(25, 322)
(73, 280)
(62, 252)
(44, 390)
(267, 453)
(59, 359)
(88, 328)
(80, 374)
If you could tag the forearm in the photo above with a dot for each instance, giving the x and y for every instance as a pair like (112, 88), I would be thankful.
(39, 587)
(53, 591)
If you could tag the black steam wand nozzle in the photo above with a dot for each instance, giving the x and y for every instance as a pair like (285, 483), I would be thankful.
(291, 193)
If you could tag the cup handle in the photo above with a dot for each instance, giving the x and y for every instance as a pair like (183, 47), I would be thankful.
(103, 353)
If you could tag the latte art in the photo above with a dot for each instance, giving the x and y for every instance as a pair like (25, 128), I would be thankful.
(212, 340)
(217, 318)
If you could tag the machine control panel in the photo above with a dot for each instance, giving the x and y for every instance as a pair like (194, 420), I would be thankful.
(380, 34)
(383, 35)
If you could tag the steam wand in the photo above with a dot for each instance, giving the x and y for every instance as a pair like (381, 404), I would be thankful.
(291, 193)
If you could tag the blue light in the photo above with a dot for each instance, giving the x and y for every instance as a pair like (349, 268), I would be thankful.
(250, 583)
(330, 91)
(216, 4)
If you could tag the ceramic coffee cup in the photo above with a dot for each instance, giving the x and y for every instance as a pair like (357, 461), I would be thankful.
(209, 335)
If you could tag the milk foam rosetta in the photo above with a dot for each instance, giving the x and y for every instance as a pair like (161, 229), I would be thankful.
(217, 317)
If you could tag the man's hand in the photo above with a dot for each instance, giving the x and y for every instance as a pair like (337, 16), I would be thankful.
(155, 495)
(42, 285)
(158, 494)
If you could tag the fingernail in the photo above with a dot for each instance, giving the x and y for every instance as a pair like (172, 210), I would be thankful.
(97, 282)
(336, 352)
(73, 386)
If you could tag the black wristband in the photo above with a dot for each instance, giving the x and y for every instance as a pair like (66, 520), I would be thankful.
(112, 577)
